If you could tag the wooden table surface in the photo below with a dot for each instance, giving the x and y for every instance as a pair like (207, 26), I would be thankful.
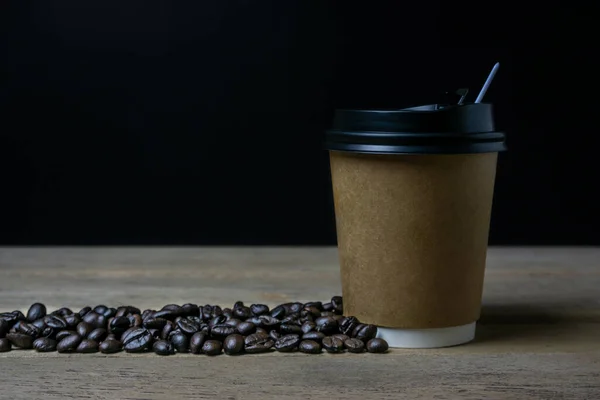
(538, 337)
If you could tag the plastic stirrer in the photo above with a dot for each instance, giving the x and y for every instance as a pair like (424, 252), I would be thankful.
(487, 83)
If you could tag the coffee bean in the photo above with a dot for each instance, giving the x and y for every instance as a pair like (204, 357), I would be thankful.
(366, 333)
(83, 329)
(341, 336)
(233, 322)
(274, 335)
(172, 307)
(110, 336)
(333, 344)
(163, 348)
(189, 310)
(317, 304)
(261, 331)
(242, 312)
(246, 328)
(29, 329)
(18, 315)
(255, 320)
(377, 346)
(314, 335)
(87, 346)
(110, 346)
(60, 335)
(310, 347)
(147, 314)
(40, 324)
(269, 323)
(238, 304)
(100, 309)
(233, 344)
(287, 329)
(4, 327)
(211, 347)
(188, 327)
(220, 332)
(135, 320)
(55, 322)
(84, 311)
(258, 343)
(259, 309)
(308, 326)
(348, 324)
(354, 345)
(196, 342)
(278, 312)
(20, 340)
(137, 340)
(36, 311)
(69, 343)
(110, 312)
(338, 317)
(327, 325)
(5, 345)
(338, 304)
(180, 341)
(288, 343)
(119, 325)
(296, 307)
(327, 313)
(155, 334)
(292, 319)
(98, 334)
(218, 320)
(95, 320)
(167, 329)
(49, 333)
(166, 314)
(311, 310)
(12, 317)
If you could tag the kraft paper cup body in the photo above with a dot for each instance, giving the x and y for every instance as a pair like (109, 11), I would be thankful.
(412, 233)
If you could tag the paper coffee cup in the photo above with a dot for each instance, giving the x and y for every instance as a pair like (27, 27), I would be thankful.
(413, 195)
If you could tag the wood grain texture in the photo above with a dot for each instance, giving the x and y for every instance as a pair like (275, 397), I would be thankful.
(538, 337)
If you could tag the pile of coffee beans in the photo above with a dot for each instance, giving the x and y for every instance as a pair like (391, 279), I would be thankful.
(211, 330)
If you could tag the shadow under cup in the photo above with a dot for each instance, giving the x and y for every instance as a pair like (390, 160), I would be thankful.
(413, 193)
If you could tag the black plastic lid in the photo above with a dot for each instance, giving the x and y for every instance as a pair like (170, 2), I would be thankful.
(429, 129)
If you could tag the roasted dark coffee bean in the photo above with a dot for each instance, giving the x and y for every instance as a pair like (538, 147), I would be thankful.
(69, 343)
(261, 331)
(72, 320)
(166, 314)
(40, 324)
(109, 313)
(308, 327)
(292, 318)
(233, 344)
(296, 307)
(188, 327)
(49, 333)
(338, 317)
(55, 322)
(255, 320)
(36, 311)
(166, 330)
(110, 336)
(189, 310)
(8, 317)
(60, 335)
(125, 334)
(121, 312)
(119, 325)
(87, 346)
(20, 340)
(228, 312)
(258, 343)
(155, 323)
(15, 327)
(155, 334)
(180, 341)
(5, 345)
(306, 318)
(110, 346)
(212, 347)
(96, 320)
(377, 346)
(313, 335)
(4, 327)
(268, 322)
(338, 304)
(135, 320)
(278, 312)
(18, 315)
(163, 348)
(259, 309)
(246, 328)
(98, 334)
(287, 343)
(172, 307)
(327, 325)
(327, 313)
(310, 347)
(333, 344)
(100, 309)
(288, 329)
(233, 322)
(341, 336)
(348, 324)
(85, 310)
(139, 340)
(147, 314)
(196, 342)
(29, 329)
(354, 345)
(242, 312)
(84, 329)
(316, 304)
(218, 320)
(274, 335)
(366, 333)
(310, 311)
(238, 304)
(220, 332)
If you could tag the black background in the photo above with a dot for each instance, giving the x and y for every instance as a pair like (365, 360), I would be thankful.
(201, 122)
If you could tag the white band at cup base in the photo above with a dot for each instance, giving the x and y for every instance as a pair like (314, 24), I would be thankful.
(427, 338)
